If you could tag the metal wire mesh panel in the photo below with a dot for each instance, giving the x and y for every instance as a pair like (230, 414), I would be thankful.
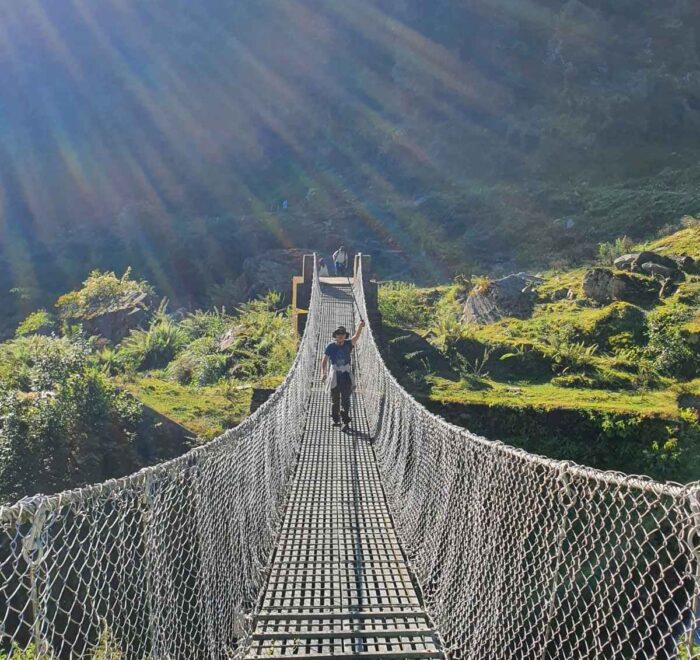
(165, 563)
(519, 556)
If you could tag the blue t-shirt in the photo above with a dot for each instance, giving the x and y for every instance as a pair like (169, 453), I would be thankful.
(339, 355)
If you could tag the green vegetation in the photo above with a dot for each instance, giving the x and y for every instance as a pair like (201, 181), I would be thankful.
(71, 404)
(684, 654)
(40, 322)
(608, 252)
(684, 241)
(622, 373)
(155, 347)
(401, 305)
(103, 292)
(17, 653)
(206, 411)
(63, 422)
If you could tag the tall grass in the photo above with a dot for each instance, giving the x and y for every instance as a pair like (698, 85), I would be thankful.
(156, 347)
(401, 304)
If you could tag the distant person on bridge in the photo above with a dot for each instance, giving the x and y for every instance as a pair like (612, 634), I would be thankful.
(340, 260)
(341, 383)
(323, 268)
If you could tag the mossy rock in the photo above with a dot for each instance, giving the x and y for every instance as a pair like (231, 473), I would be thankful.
(604, 285)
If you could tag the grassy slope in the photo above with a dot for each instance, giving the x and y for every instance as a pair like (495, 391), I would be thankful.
(591, 322)
(206, 411)
(545, 396)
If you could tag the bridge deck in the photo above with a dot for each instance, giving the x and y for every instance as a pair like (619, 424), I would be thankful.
(339, 584)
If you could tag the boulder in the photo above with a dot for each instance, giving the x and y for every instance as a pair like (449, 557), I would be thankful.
(625, 261)
(271, 271)
(560, 294)
(529, 278)
(509, 296)
(668, 288)
(654, 258)
(115, 323)
(687, 264)
(228, 338)
(633, 262)
(661, 271)
(604, 286)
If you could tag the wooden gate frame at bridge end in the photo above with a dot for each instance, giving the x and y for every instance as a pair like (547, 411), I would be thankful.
(301, 293)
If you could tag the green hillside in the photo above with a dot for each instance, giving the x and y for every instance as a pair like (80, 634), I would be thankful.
(183, 138)
(109, 380)
(615, 385)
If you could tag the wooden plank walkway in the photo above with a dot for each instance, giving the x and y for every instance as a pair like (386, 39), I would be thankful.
(339, 584)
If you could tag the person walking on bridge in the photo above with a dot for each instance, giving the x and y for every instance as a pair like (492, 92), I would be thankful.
(341, 381)
(323, 268)
(340, 261)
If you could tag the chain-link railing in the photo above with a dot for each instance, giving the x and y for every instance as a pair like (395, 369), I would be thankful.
(166, 563)
(519, 556)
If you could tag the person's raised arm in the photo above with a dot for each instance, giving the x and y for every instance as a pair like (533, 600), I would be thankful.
(358, 332)
(324, 367)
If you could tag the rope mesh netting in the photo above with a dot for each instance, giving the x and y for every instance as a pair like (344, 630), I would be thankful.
(521, 556)
(517, 556)
(165, 563)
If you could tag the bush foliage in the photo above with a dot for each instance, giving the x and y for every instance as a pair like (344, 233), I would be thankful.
(62, 423)
(63, 420)
(39, 322)
(402, 305)
(101, 292)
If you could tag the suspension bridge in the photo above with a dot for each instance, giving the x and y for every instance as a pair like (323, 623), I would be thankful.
(406, 537)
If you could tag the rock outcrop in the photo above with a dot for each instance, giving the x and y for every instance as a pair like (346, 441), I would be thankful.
(687, 264)
(635, 262)
(271, 271)
(510, 296)
(116, 322)
(604, 286)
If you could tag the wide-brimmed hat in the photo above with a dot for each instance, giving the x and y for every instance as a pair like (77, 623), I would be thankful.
(341, 331)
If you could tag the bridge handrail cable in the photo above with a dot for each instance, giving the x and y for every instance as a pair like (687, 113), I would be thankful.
(522, 556)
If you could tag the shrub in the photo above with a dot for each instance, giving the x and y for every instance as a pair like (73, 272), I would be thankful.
(39, 322)
(110, 361)
(102, 292)
(205, 324)
(201, 363)
(667, 348)
(401, 305)
(475, 367)
(567, 354)
(263, 342)
(37, 362)
(447, 329)
(481, 284)
(153, 348)
(62, 423)
(608, 252)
